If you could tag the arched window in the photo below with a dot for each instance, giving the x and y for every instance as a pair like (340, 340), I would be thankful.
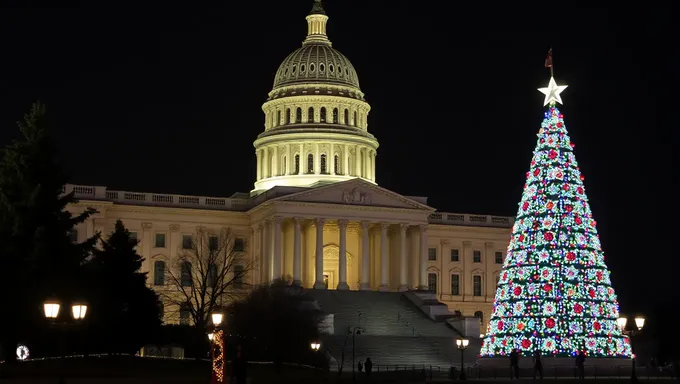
(185, 314)
(323, 115)
(324, 169)
(185, 275)
(298, 115)
(480, 316)
(278, 118)
(310, 115)
(287, 115)
(310, 163)
(212, 276)
(355, 118)
(297, 164)
(347, 116)
(337, 165)
(335, 116)
(159, 273)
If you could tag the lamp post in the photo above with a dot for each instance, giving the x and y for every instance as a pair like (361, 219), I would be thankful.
(462, 345)
(217, 348)
(355, 331)
(639, 323)
(51, 310)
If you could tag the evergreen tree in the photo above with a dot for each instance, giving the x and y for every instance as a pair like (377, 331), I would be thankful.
(122, 306)
(555, 294)
(37, 256)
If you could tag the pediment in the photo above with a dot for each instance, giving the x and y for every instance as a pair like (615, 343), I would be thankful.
(355, 192)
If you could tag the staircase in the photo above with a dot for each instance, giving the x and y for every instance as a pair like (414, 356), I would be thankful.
(394, 330)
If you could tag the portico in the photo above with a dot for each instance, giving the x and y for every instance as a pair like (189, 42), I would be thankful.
(349, 235)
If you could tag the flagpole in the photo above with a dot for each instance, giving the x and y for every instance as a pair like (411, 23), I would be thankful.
(552, 64)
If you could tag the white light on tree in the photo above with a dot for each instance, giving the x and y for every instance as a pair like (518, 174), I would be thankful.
(22, 352)
(79, 311)
(51, 309)
(552, 92)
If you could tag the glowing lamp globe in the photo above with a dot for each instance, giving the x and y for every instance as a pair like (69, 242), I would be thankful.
(51, 309)
(79, 311)
(217, 318)
(211, 336)
(640, 322)
(621, 322)
(315, 346)
(462, 343)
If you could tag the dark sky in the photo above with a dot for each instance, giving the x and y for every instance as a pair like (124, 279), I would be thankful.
(166, 97)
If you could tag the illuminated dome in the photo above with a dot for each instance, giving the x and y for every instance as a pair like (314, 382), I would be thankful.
(316, 62)
(316, 118)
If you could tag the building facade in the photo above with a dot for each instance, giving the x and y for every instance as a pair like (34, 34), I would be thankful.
(316, 213)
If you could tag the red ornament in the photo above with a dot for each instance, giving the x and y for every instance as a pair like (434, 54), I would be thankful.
(550, 323)
(552, 154)
(597, 326)
(578, 308)
(548, 236)
(517, 291)
(526, 343)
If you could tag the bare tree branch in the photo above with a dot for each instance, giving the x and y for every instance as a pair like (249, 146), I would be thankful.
(207, 275)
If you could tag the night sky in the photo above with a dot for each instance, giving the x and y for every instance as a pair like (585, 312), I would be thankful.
(166, 97)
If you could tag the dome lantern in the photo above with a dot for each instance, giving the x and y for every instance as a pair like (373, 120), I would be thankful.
(316, 25)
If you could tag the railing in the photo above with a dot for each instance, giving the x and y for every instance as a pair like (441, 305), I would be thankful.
(471, 220)
(85, 192)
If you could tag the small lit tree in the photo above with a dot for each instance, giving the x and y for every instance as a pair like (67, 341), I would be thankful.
(209, 272)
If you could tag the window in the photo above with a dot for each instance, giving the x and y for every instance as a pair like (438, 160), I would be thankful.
(185, 314)
(187, 242)
(337, 165)
(432, 282)
(298, 115)
(239, 273)
(297, 164)
(160, 240)
(480, 316)
(212, 276)
(185, 277)
(278, 118)
(455, 284)
(476, 285)
(239, 245)
(324, 169)
(288, 116)
(335, 116)
(322, 118)
(432, 254)
(73, 235)
(310, 115)
(455, 255)
(355, 118)
(499, 257)
(310, 163)
(347, 116)
(476, 256)
(213, 243)
(159, 272)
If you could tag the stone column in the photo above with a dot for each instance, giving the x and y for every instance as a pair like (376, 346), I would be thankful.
(465, 291)
(331, 159)
(275, 163)
(488, 282)
(277, 262)
(297, 262)
(357, 162)
(318, 284)
(267, 247)
(147, 242)
(259, 164)
(423, 257)
(342, 283)
(303, 161)
(365, 257)
(317, 159)
(345, 160)
(384, 278)
(403, 266)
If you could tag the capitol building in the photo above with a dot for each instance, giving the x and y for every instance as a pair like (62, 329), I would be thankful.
(316, 213)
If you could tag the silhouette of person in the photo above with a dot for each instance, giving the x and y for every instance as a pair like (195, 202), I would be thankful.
(514, 364)
(538, 364)
(369, 366)
(580, 360)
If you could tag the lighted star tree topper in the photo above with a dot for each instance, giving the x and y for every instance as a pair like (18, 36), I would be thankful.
(554, 294)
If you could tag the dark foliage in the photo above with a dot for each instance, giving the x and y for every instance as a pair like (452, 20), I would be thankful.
(37, 257)
(275, 323)
(125, 312)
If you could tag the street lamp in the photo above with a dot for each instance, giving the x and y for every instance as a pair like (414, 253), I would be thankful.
(315, 346)
(211, 336)
(79, 311)
(639, 324)
(462, 344)
(217, 318)
(51, 309)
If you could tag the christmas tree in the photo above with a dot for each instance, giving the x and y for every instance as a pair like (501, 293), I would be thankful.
(554, 294)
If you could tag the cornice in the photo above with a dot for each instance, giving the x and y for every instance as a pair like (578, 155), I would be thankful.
(300, 100)
(363, 208)
(174, 210)
(469, 228)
